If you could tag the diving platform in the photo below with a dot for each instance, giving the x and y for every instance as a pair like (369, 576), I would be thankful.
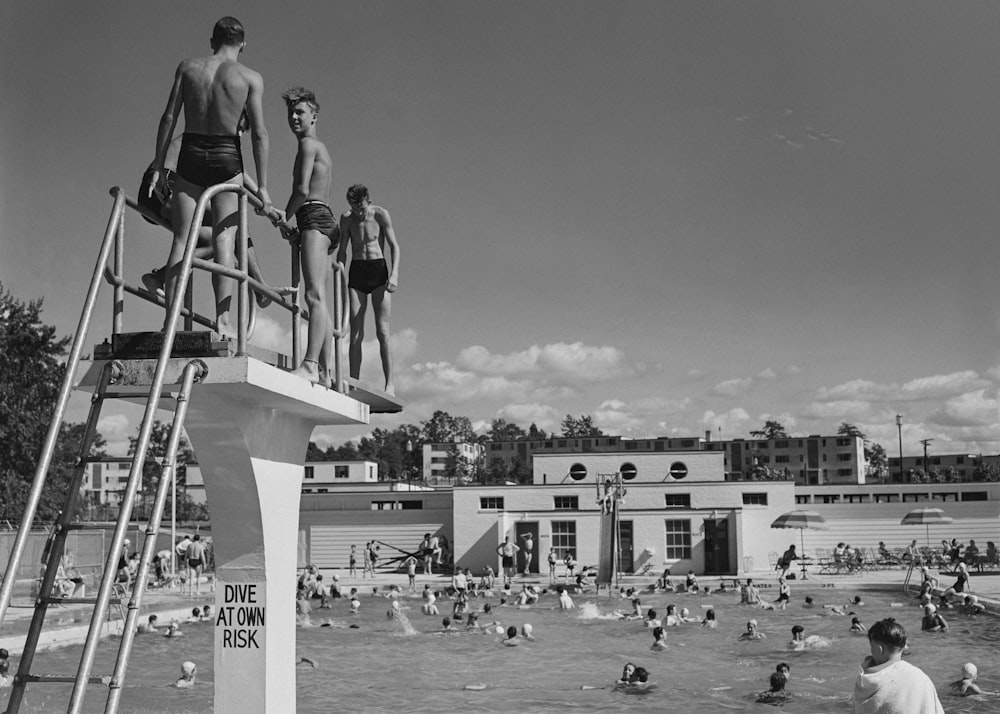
(250, 421)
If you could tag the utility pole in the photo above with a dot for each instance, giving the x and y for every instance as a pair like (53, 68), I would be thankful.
(927, 472)
(899, 428)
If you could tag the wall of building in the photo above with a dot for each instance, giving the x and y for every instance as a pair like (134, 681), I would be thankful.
(701, 466)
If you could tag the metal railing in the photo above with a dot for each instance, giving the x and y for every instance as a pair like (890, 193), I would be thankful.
(286, 298)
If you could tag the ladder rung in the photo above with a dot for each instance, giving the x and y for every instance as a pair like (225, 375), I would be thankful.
(136, 395)
(56, 600)
(63, 679)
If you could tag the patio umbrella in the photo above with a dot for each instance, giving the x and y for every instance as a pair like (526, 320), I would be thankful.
(801, 520)
(925, 517)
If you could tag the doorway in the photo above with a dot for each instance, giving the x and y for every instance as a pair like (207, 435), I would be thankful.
(526, 538)
(716, 546)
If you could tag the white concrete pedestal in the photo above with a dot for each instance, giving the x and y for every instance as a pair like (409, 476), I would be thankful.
(250, 425)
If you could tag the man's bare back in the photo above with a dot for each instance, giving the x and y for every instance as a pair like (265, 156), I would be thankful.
(214, 92)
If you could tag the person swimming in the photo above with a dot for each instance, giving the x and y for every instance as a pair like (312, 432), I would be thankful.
(512, 638)
(633, 675)
(659, 639)
(710, 620)
(527, 632)
(752, 633)
(857, 625)
(189, 673)
(173, 630)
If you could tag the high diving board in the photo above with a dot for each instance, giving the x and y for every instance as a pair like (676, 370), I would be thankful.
(378, 402)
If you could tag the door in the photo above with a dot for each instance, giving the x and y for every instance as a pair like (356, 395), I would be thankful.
(716, 546)
(526, 538)
(626, 554)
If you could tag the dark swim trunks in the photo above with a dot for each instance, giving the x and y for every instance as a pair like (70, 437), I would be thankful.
(367, 276)
(208, 160)
(316, 215)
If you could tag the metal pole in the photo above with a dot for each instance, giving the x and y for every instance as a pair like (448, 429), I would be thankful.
(899, 428)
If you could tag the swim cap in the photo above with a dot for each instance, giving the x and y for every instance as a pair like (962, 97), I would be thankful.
(526, 629)
(969, 671)
(930, 609)
(499, 629)
(685, 612)
(752, 622)
(188, 667)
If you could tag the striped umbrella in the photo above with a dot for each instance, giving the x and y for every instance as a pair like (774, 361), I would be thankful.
(801, 520)
(926, 517)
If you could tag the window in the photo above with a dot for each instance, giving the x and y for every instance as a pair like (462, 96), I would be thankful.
(384, 505)
(678, 470)
(803, 499)
(491, 503)
(628, 471)
(886, 498)
(781, 444)
(843, 442)
(567, 503)
(782, 459)
(678, 540)
(341, 471)
(831, 499)
(322, 490)
(309, 472)
(755, 499)
(578, 472)
(677, 500)
(959, 459)
(844, 457)
(561, 443)
(687, 443)
(975, 496)
(411, 505)
(630, 445)
(564, 537)
(845, 472)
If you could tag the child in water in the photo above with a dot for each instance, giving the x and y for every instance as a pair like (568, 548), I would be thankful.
(710, 620)
(659, 639)
(752, 632)
(633, 675)
(932, 620)
(857, 626)
(886, 683)
(189, 672)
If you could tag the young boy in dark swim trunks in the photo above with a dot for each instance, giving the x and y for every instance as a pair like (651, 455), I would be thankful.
(368, 230)
(318, 232)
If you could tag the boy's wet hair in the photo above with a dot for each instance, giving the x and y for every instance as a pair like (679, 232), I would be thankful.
(798, 628)
(511, 632)
(781, 666)
(357, 193)
(295, 95)
(889, 633)
(778, 681)
(228, 31)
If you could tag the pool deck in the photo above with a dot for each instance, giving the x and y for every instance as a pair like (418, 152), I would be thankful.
(68, 624)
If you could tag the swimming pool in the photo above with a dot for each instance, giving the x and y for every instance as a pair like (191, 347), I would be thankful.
(377, 667)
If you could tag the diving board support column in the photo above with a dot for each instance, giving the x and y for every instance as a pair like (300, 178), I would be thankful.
(250, 425)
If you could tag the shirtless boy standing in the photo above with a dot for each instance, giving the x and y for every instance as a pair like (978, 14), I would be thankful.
(212, 92)
(368, 228)
(318, 231)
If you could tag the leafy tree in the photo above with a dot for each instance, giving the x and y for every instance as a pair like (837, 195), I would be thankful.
(536, 434)
(771, 430)
(496, 471)
(455, 465)
(574, 427)
(847, 429)
(158, 438)
(878, 461)
(314, 453)
(519, 472)
(442, 427)
(986, 470)
(30, 380)
(503, 430)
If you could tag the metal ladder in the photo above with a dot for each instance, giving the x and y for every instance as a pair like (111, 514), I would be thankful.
(101, 603)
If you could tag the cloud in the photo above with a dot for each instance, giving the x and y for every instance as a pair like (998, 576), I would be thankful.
(544, 416)
(617, 416)
(844, 410)
(730, 424)
(971, 409)
(934, 387)
(558, 361)
(732, 387)
(116, 430)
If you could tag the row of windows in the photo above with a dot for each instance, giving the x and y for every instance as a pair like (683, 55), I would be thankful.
(786, 459)
(340, 471)
(677, 536)
(572, 503)
(891, 497)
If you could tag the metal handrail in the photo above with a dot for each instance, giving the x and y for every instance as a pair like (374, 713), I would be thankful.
(340, 296)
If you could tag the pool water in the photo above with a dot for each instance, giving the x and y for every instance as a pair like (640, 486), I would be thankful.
(384, 666)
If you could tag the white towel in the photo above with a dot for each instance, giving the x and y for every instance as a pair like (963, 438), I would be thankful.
(895, 688)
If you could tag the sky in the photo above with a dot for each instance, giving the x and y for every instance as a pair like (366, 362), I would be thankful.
(677, 217)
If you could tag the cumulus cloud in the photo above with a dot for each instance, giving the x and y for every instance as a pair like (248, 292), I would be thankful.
(544, 416)
(971, 409)
(732, 387)
(558, 361)
(116, 430)
(934, 387)
(618, 416)
(844, 410)
(729, 423)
